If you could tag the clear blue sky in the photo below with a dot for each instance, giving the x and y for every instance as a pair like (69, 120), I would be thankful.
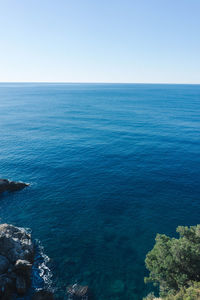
(100, 40)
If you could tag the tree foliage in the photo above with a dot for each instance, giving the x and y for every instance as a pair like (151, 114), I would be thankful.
(190, 293)
(175, 263)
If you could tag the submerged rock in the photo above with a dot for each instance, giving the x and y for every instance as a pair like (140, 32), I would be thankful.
(117, 287)
(43, 295)
(78, 292)
(11, 186)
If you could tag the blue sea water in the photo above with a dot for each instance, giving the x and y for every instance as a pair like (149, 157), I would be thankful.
(110, 165)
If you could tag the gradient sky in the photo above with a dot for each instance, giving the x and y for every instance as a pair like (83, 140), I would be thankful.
(153, 41)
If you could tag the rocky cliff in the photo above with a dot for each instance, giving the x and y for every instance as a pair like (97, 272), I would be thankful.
(16, 260)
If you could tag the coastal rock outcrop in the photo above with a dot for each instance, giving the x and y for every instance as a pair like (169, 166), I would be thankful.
(16, 258)
(11, 186)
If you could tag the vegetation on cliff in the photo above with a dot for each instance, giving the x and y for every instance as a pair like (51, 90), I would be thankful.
(174, 264)
(190, 293)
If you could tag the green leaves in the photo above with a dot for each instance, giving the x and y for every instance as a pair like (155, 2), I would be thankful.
(175, 263)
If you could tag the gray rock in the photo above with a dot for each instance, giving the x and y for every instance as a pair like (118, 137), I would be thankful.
(78, 292)
(22, 266)
(16, 257)
(5, 280)
(4, 264)
(11, 186)
(15, 243)
(21, 285)
(6, 286)
(43, 295)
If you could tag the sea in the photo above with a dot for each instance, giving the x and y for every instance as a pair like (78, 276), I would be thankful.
(109, 167)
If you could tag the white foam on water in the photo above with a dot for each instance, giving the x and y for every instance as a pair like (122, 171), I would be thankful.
(41, 262)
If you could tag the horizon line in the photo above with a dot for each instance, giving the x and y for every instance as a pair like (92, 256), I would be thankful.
(98, 82)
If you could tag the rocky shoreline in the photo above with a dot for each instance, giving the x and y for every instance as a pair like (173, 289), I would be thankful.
(17, 269)
(18, 262)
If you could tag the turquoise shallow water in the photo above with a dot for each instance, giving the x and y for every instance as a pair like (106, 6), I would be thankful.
(110, 165)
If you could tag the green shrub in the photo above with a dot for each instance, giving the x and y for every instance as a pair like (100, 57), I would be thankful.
(191, 293)
(151, 296)
(175, 263)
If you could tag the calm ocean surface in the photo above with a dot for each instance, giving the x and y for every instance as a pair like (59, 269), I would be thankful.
(110, 165)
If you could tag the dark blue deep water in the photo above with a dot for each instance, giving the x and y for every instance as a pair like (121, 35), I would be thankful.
(110, 165)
